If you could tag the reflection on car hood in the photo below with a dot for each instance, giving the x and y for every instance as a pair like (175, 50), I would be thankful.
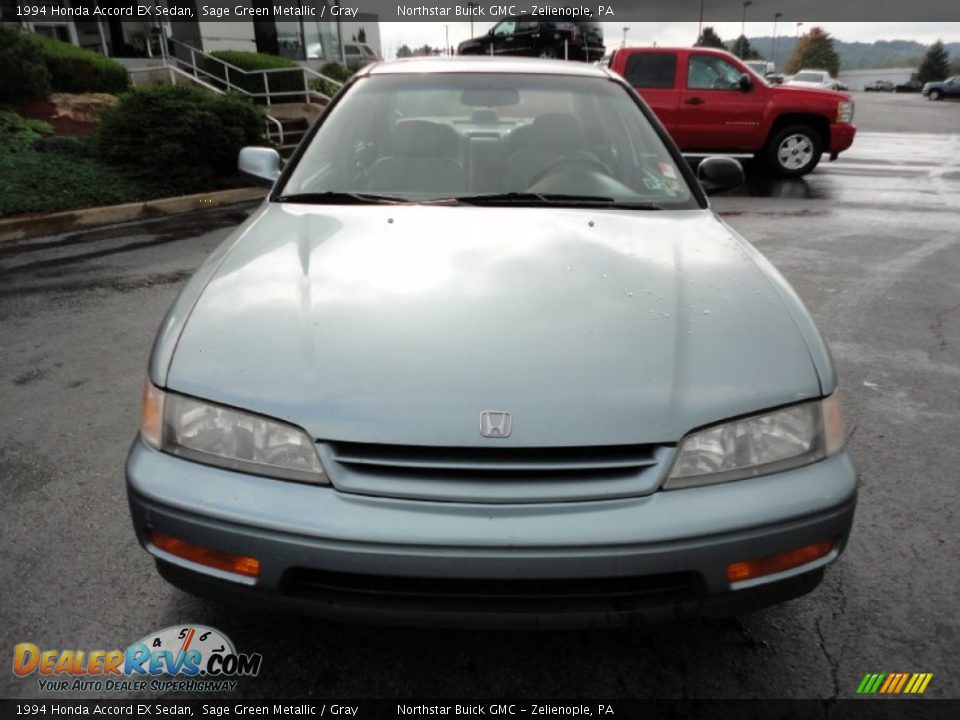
(401, 324)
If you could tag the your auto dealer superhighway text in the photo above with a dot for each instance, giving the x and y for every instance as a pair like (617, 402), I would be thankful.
(476, 10)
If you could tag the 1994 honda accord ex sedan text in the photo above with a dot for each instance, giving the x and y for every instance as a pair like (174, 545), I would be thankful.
(487, 355)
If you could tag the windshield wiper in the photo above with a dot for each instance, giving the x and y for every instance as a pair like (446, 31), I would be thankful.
(340, 198)
(528, 198)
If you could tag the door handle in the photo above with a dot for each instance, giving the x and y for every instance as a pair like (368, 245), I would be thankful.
(694, 101)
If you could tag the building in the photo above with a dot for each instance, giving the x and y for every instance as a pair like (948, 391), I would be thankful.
(858, 79)
(267, 29)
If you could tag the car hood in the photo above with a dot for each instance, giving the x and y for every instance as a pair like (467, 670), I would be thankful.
(400, 324)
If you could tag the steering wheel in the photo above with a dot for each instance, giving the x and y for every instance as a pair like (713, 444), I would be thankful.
(584, 159)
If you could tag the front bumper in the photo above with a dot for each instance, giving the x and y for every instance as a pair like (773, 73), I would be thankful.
(841, 138)
(657, 557)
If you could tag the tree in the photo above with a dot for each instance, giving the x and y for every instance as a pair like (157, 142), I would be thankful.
(955, 67)
(362, 35)
(814, 51)
(709, 38)
(404, 52)
(935, 64)
(743, 49)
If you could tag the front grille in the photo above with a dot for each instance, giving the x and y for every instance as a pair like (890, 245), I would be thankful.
(491, 595)
(498, 475)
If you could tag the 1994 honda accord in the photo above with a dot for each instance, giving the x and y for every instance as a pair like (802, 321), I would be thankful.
(486, 355)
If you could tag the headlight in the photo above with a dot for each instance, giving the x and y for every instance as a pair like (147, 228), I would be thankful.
(216, 435)
(845, 111)
(758, 445)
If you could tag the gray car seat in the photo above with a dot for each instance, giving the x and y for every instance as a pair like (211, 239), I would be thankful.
(422, 160)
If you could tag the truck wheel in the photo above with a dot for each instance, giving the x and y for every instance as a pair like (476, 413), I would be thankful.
(794, 150)
(934, 95)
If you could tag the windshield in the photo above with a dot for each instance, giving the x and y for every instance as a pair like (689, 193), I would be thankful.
(530, 138)
(810, 77)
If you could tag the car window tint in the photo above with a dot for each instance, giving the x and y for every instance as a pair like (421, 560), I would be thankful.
(707, 72)
(527, 26)
(651, 70)
(505, 28)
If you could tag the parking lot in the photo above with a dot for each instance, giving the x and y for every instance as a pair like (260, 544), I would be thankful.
(870, 242)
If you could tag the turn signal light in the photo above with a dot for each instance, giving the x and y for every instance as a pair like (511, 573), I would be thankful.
(239, 564)
(749, 569)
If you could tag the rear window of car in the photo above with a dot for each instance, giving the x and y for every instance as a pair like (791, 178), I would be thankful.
(651, 70)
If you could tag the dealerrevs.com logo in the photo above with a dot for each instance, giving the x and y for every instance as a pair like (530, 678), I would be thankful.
(181, 658)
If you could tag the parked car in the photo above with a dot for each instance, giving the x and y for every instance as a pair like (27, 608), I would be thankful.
(449, 373)
(711, 103)
(813, 79)
(357, 55)
(879, 86)
(942, 89)
(760, 67)
(910, 86)
(534, 36)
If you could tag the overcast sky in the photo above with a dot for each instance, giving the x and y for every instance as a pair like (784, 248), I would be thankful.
(417, 34)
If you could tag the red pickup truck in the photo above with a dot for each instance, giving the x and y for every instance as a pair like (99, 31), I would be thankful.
(710, 102)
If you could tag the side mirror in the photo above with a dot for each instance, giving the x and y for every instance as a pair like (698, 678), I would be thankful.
(717, 174)
(745, 84)
(260, 162)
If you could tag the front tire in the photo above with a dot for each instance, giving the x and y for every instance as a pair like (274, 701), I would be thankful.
(793, 151)
(934, 95)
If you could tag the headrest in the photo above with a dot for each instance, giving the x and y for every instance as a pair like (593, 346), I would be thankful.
(556, 131)
(420, 137)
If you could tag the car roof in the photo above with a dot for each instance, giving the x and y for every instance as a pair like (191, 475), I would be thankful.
(484, 64)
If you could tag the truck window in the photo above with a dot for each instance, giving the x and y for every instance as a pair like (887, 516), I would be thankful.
(708, 72)
(651, 70)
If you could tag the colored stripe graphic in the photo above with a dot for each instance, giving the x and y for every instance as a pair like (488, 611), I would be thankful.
(894, 683)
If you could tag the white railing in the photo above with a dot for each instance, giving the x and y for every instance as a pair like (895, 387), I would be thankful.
(228, 76)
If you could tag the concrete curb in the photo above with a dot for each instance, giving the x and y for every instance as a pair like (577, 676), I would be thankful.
(21, 228)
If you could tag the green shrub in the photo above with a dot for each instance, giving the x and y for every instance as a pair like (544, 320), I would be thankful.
(331, 70)
(75, 70)
(178, 133)
(278, 82)
(64, 146)
(18, 134)
(23, 74)
(336, 71)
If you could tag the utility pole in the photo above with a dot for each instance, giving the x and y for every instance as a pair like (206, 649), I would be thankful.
(470, 7)
(773, 45)
(798, 30)
(743, 27)
(446, 46)
(625, 31)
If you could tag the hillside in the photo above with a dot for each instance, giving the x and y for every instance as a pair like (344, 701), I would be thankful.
(858, 55)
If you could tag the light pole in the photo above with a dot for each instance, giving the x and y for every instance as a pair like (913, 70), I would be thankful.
(470, 7)
(700, 24)
(625, 31)
(798, 30)
(773, 45)
(446, 33)
(743, 27)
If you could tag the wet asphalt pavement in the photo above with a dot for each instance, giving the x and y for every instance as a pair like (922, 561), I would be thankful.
(871, 243)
